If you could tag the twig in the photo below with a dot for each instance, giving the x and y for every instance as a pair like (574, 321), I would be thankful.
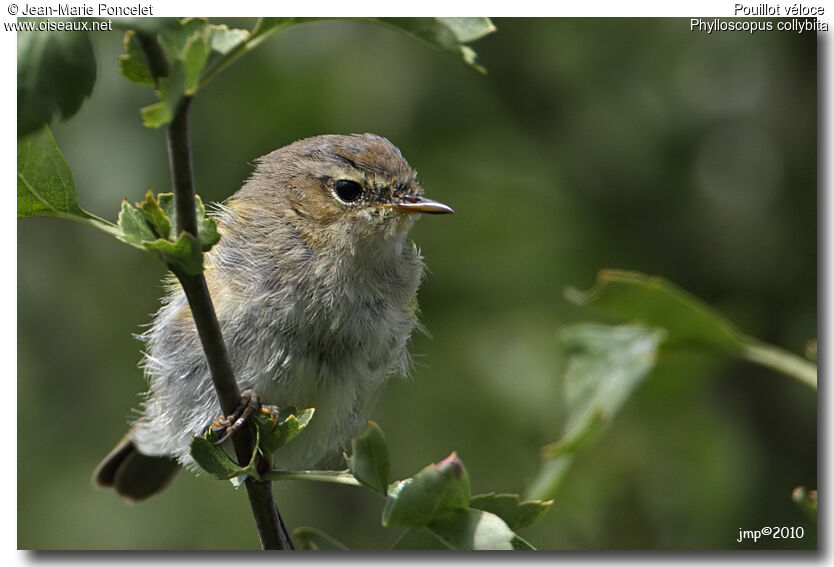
(271, 529)
(782, 361)
(335, 477)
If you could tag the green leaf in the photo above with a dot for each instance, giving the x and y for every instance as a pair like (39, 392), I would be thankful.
(206, 227)
(686, 320)
(213, 459)
(655, 302)
(175, 40)
(290, 422)
(196, 51)
(150, 226)
(508, 507)
(56, 71)
(132, 64)
(133, 227)
(521, 544)
(435, 490)
(170, 92)
(224, 40)
(156, 115)
(447, 34)
(606, 365)
(462, 529)
(313, 539)
(369, 461)
(185, 253)
(194, 57)
(44, 182)
(186, 48)
(473, 529)
(155, 216)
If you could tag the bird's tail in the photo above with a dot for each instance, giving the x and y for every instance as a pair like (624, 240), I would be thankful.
(132, 474)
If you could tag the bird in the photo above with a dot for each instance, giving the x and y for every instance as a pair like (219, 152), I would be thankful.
(314, 282)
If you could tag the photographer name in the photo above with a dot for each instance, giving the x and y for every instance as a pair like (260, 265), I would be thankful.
(89, 10)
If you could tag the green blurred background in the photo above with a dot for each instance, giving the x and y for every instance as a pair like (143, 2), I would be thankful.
(633, 144)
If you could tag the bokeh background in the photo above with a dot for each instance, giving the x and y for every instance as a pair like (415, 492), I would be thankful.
(632, 144)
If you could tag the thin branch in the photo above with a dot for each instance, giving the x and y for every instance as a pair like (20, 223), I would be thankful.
(334, 477)
(271, 529)
(782, 361)
(155, 56)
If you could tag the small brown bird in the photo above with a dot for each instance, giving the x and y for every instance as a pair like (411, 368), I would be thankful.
(315, 285)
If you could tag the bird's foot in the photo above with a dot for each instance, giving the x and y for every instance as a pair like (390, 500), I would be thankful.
(250, 403)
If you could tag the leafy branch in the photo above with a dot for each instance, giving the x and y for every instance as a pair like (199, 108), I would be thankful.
(271, 530)
(177, 58)
(606, 363)
(435, 505)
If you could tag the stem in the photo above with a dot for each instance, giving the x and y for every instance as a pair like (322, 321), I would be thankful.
(335, 477)
(179, 158)
(271, 529)
(208, 328)
(155, 56)
(254, 40)
(782, 361)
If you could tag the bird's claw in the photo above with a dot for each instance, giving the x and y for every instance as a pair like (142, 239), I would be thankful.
(250, 403)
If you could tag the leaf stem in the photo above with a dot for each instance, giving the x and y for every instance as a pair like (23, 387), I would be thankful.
(255, 39)
(334, 477)
(272, 532)
(782, 361)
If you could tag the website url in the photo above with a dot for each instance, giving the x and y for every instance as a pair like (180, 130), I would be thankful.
(59, 25)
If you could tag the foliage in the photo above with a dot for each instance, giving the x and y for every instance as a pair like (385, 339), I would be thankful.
(56, 71)
(270, 435)
(45, 188)
(196, 51)
(606, 362)
(151, 226)
(435, 504)
(44, 182)
(369, 461)
(687, 321)
(435, 500)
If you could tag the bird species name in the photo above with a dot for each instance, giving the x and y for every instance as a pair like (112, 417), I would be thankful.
(752, 26)
(777, 10)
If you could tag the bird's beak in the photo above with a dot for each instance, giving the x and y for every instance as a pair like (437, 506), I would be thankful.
(416, 204)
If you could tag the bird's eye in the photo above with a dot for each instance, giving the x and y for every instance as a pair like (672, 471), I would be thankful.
(347, 190)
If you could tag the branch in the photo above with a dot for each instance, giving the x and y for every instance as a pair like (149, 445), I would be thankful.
(334, 477)
(271, 529)
(782, 361)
